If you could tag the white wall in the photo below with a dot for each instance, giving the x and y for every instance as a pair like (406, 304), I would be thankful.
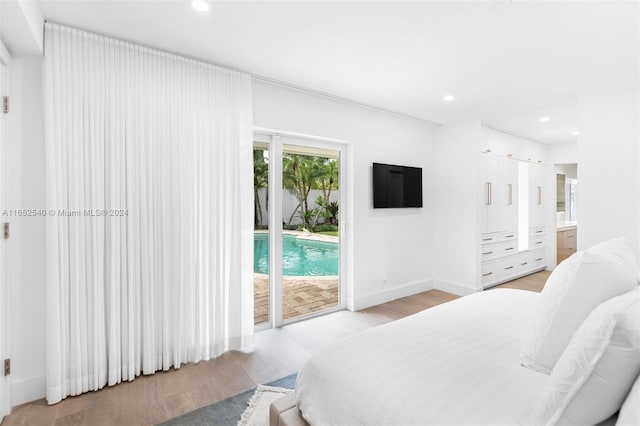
(608, 166)
(456, 207)
(21, 27)
(396, 242)
(25, 173)
(290, 202)
(564, 153)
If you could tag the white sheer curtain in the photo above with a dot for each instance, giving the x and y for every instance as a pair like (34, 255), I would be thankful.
(163, 144)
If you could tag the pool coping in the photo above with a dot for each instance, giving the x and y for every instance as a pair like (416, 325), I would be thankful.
(310, 236)
(301, 277)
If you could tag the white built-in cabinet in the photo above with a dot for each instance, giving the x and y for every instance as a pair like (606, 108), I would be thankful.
(507, 195)
(536, 195)
(489, 198)
(499, 191)
(502, 255)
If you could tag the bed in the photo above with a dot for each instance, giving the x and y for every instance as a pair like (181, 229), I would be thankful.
(568, 355)
(454, 364)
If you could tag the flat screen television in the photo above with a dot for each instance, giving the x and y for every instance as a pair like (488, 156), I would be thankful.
(396, 186)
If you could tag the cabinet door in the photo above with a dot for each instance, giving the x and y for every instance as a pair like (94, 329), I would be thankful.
(488, 195)
(536, 196)
(507, 195)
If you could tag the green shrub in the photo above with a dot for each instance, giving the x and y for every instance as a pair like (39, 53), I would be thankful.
(326, 228)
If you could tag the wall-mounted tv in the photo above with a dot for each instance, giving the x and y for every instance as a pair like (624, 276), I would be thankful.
(396, 186)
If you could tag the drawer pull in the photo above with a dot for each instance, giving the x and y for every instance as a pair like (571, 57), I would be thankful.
(571, 236)
(539, 232)
(487, 253)
(508, 248)
(487, 274)
(524, 263)
(509, 267)
(509, 236)
(487, 239)
(538, 259)
(538, 242)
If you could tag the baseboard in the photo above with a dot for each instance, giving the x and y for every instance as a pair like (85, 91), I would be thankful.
(27, 390)
(454, 288)
(391, 294)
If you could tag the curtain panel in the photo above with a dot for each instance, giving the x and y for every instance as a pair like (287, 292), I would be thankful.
(149, 199)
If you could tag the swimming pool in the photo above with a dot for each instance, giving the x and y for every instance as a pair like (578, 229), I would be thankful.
(301, 258)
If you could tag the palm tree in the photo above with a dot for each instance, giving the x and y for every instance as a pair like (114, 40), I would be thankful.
(260, 181)
(301, 174)
(327, 182)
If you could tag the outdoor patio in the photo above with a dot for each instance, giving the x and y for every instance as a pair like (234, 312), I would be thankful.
(302, 295)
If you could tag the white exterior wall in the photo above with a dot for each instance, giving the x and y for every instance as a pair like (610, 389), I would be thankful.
(290, 202)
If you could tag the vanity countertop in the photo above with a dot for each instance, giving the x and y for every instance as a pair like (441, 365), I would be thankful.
(566, 226)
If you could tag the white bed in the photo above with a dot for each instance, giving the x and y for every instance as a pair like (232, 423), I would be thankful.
(454, 364)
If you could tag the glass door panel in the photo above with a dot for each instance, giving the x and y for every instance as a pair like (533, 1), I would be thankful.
(310, 237)
(261, 263)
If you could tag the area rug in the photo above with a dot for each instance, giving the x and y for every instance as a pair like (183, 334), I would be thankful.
(257, 412)
(227, 412)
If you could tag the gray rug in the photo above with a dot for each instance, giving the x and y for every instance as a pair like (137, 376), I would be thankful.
(228, 411)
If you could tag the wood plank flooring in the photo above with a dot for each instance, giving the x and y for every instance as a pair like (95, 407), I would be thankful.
(279, 352)
(533, 282)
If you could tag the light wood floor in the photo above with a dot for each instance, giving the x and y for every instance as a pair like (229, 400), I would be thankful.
(279, 352)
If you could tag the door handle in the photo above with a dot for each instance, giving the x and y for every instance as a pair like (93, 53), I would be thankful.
(539, 195)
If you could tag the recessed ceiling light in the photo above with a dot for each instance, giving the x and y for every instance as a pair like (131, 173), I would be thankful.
(200, 5)
(576, 133)
(449, 98)
(544, 119)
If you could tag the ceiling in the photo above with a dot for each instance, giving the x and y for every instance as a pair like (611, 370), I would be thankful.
(507, 62)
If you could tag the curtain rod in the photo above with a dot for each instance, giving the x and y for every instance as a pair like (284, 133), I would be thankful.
(263, 79)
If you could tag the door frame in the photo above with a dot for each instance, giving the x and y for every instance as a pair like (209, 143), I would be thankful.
(5, 134)
(275, 140)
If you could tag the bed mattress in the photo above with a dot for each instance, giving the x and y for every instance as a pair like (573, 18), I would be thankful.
(454, 364)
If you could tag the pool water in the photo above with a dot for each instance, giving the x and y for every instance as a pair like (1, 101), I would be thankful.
(300, 258)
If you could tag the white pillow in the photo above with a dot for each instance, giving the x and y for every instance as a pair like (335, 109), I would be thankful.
(630, 411)
(573, 290)
(594, 374)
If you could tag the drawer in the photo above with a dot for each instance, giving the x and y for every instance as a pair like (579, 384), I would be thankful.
(536, 242)
(510, 267)
(489, 252)
(488, 238)
(507, 236)
(537, 259)
(570, 238)
(535, 232)
(508, 248)
(524, 262)
(490, 272)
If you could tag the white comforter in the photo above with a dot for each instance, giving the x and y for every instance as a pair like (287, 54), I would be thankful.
(454, 364)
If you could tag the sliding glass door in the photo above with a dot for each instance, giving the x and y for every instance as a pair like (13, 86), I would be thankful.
(310, 233)
(297, 241)
(261, 263)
